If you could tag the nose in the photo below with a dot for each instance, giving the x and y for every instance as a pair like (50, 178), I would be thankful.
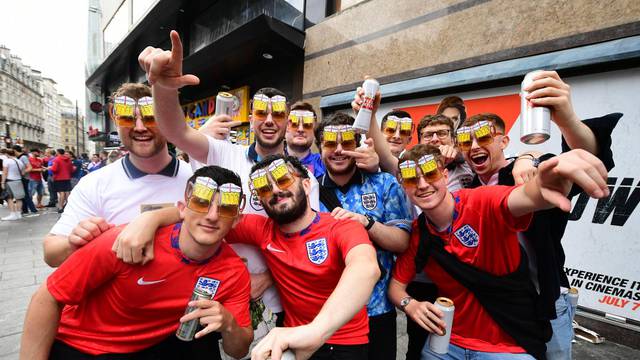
(139, 125)
(474, 143)
(396, 135)
(422, 183)
(212, 214)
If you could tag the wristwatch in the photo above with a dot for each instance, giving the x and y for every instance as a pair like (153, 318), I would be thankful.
(370, 223)
(404, 302)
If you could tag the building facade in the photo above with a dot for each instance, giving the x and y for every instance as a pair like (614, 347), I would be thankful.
(52, 114)
(72, 132)
(21, 98)
(235, 46)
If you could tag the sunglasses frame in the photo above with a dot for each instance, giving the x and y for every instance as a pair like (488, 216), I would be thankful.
(339, 130)
(300, 116)
(398, 121)
(471, 130)
(149, 121)
(262, 115)
(188, 195)
(412, 182)
(264, 192)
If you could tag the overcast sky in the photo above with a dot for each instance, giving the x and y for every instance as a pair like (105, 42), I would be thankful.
(50, 36)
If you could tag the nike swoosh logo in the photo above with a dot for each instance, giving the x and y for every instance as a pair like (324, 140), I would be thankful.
(271, 248)
(142, 282)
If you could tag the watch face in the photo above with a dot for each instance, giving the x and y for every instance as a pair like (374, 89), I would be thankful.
(405, 301)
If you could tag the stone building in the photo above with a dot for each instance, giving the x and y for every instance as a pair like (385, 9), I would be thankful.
(52, 114)
(21, 97)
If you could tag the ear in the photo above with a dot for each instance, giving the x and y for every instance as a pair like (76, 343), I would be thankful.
(110, 111)
(182, 208)
(505, 142)
(237, 220)
(445, 175)
(306, 185)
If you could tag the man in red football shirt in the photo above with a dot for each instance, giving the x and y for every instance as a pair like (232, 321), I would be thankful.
(476, 229)
(96, 305)
(323, 268)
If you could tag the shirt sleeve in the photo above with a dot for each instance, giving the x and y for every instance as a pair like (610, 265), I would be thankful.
(250, 230)
(86, 269)
(349, 234)
(239, 295)
(494, 203)
(82, 204)
(223, 153)
(396, 207)
(405, 268)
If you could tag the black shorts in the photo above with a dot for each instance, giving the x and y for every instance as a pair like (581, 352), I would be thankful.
(171, 348)
(62, 185)
(341, 352)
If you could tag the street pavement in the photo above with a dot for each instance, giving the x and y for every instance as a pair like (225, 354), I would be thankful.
(22, 270)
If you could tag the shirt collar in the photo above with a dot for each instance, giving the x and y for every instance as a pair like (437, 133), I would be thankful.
(356, 179)
(253, 155)
(175, 245)
(304, 231)
(171, 170)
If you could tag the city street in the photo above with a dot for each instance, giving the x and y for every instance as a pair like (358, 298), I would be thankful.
(23, 270)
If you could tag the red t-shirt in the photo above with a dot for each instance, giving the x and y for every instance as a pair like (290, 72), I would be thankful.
(307, 266)
(483, 234)
(36, 164)
(113, 307)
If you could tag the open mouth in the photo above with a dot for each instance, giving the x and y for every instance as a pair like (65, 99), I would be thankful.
(268, 132)
(277, 199)
(339, 158)
(479, 158)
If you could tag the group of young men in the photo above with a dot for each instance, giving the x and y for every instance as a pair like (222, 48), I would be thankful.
(313, 252)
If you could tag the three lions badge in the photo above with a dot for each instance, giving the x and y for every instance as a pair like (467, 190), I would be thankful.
(317, 251)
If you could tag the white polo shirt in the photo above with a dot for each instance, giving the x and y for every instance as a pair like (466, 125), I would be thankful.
(237, 158)
(119, 192)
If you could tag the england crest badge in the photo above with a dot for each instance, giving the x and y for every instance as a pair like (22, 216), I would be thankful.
(255, 203)
(317, 251)
(208, 284)
(467, 236)
(369, 201)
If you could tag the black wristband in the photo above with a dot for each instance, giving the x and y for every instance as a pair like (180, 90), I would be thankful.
(370, 223)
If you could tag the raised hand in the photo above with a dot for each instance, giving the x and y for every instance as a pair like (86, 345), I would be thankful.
(449, 153)
(219, 126)
(302, 340)
(366, 157)
(556, 175)
(87, 230)
(164, 68)
(547, 89)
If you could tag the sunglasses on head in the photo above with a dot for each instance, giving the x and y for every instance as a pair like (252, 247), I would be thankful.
(428, 167)
(261, 105)
(304, 117)
(344, 135)
(200, 197)
(279, 173)
(483, 132)
(125, 115)
(392, 124)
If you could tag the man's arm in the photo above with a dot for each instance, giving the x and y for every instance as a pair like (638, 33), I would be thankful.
(554, 180)
(424, 313)
(350, 295)
(548, 89)
(134, 244)
(388, 162)
(215, 317)
(164, 72)
(40, 325)
(57, 248)
(388, 237)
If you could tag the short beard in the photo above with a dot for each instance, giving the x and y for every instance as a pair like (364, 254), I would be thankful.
(289, 215)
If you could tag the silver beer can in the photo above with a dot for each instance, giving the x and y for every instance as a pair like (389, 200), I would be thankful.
(225, 104)
(535, 121)
(363, 119)
(440, 344)
(187, 330)
(573, 297)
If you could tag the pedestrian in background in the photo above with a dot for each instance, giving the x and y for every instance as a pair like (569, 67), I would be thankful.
(35, 177)
(12, 170)
(27, 204)
(62, 169)
(53, 196)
